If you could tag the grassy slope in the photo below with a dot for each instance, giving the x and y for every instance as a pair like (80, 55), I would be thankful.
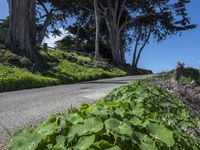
(188, 75)
(65, 68)
(134, 116)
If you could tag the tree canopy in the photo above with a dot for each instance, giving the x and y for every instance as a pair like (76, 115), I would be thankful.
(107, 27)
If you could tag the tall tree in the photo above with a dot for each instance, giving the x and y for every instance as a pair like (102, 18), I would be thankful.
(21, 35)
(142, 40)
(97, 20)
(94, 8)
(159, 26)
(86, 38)
(118, 14)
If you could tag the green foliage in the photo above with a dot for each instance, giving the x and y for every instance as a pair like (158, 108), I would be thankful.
(188, 75)
(134, 116)
(64, 68)
(71, 67)
(15, 78)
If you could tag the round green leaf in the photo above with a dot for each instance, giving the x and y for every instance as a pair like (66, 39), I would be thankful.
(161, 133)
(93, 124)
(76, 130)
(118, 127)
(135, 121)
(25, 141)
(46, 130)
(74, 118)
(84, 142)
(60, 143)
(103, 145)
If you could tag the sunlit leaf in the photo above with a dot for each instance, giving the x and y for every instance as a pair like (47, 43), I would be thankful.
(84, 142)
(93, 124)
(161, 133)
(118, 127)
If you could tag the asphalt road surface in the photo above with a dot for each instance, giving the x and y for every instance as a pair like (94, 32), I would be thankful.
(20, 109)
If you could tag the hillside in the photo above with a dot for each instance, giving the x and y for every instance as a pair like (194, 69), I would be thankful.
(17, 72)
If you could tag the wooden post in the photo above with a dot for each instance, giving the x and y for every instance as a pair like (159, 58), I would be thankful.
(45, 46)
(178, 71)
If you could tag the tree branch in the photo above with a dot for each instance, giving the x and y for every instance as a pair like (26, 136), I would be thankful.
(135, 19)
(85, 7)
(44, 7)
(141, 49)
(120, 12)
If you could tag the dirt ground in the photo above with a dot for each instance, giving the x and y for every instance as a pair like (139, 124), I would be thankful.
(190, 94)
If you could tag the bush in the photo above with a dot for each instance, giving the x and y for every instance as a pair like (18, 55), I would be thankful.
(13, 78)
(64, 68)
(134, 116)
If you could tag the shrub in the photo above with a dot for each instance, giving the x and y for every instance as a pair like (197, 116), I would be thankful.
(64, 68)
(13, 78)
(134, 116)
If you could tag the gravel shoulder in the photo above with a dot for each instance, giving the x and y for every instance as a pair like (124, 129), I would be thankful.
(20, 109)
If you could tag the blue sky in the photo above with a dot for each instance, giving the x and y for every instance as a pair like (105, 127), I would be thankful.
(162, 56)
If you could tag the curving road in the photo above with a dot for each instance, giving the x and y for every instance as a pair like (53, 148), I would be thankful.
(20, 109)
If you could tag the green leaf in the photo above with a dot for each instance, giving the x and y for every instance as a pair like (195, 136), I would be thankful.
(120, 111)
(74, 118)
(93, 124)
(144, 141)
(118, 127)
(135, 121)
(103, 145)
(138, 112)
(114, 148)
(60, 143)
(161, 133)
(84, 142)
(61, 120)
(25, 141)
(46, 130)
(76, 130)
(155, 90)
(138, 109)
(147, 144)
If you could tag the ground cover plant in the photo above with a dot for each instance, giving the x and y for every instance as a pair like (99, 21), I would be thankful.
(73, 67)
(135, 116)
(17, 72)
(16, 78)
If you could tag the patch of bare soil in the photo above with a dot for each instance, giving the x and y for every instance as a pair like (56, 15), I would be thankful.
(190, 94)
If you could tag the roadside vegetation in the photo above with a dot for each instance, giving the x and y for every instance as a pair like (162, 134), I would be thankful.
(188, 76)
(17, 72)
(135, 116)
(13, 78)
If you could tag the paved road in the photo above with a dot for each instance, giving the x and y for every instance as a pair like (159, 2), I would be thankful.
(20, 109)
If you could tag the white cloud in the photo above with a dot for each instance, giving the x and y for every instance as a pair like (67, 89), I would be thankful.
(51, 40)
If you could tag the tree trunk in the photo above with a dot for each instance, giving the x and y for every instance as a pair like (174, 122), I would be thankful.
(141, 49)
(77, 36)
(3, 33)
(122, 52)
(97, 20)
(115, 46)
(135, 52)
(114, 36)
(21, 36)
(42, 33)
(139, 55)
